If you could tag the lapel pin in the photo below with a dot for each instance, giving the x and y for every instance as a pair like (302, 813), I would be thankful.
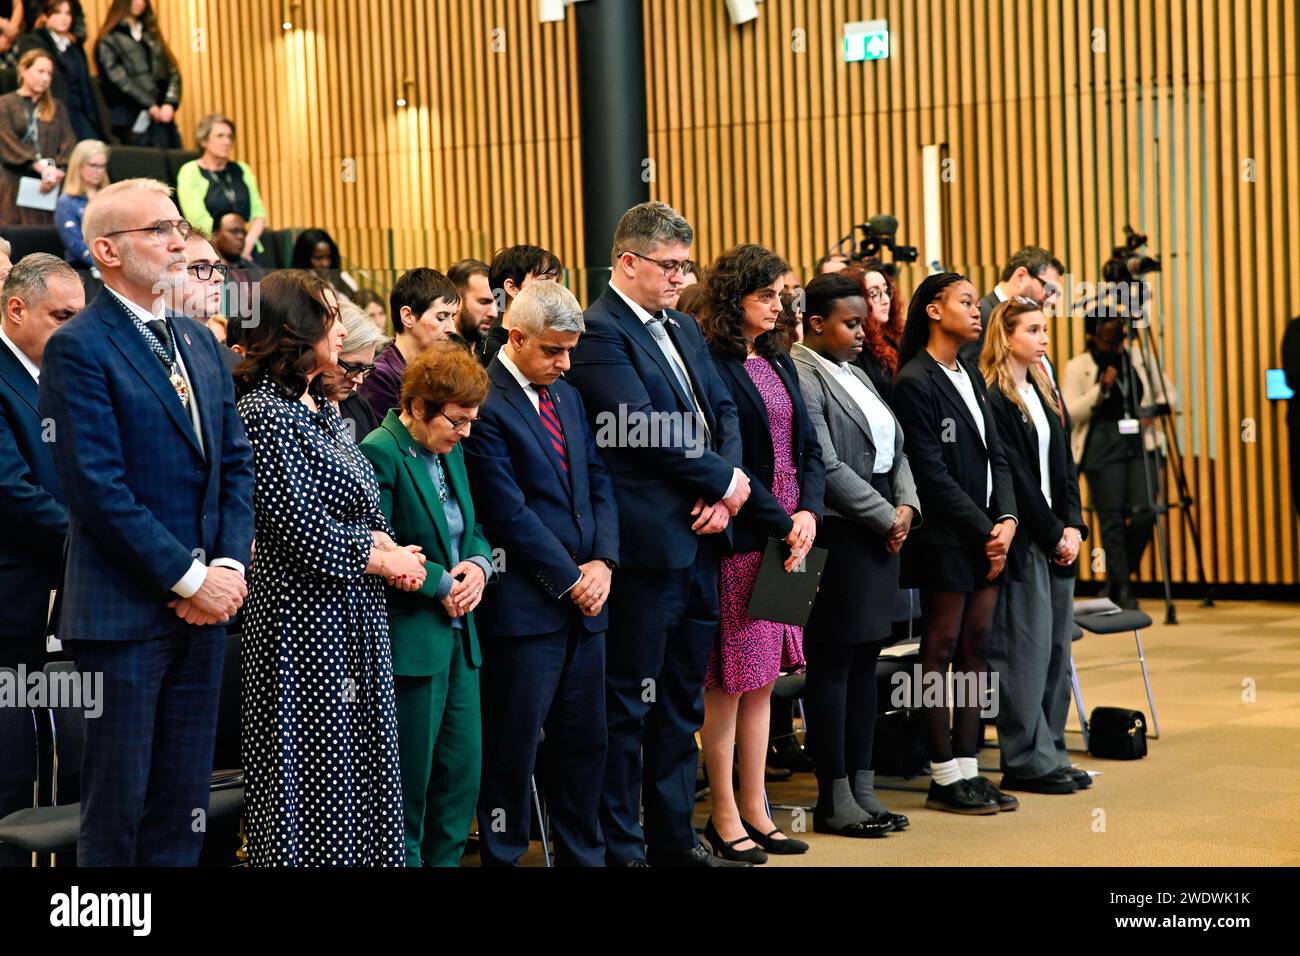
(186, 337)
(413, 452)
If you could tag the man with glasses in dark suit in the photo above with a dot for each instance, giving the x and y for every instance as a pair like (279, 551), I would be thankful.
(1032, 272)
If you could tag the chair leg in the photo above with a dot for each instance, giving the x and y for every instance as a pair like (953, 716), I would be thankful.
(1155, 721)
(541, 821)
(1078, 701)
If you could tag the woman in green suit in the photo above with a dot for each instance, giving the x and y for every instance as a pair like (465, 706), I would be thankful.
(424, 493)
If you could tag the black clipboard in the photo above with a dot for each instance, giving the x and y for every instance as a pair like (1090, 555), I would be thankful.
(786, 598)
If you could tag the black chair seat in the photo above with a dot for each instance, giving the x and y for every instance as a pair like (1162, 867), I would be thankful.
(1078, 632)
(789, 686)
(1116, 623)
(226, 803)
(43, 829)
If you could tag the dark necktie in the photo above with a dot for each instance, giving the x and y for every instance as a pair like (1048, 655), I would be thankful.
(551, 422)
(159, 328)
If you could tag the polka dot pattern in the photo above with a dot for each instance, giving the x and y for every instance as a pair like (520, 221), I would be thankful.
(319, 709)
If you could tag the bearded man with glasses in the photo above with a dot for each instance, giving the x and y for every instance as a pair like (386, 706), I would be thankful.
(158, 478)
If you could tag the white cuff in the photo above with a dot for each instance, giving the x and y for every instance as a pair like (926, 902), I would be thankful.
(571, 586)
(731, 488)
(228, 563)
(1008, 517)
(192, 581)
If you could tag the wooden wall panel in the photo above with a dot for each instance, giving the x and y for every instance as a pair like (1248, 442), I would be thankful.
(484, 155)
(1064, 120)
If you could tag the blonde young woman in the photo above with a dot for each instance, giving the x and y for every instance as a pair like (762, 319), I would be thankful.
(1030, 644)
(35, 139)
(87, 175)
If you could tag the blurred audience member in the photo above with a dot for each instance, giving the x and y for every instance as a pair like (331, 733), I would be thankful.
(36, 140)
(316, 251)
(138, 75)
(372, 303)
(424, 304)
(87, 175)
(73, 85)
(214, 184)
(478, 306)
(513, 268)
(356, 361)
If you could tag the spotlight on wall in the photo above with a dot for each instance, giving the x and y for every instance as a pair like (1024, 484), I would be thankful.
(287, 9)
(552, 11)
(742, 11)
(404, 97)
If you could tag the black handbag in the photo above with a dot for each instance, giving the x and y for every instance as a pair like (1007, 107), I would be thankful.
(1117, 734)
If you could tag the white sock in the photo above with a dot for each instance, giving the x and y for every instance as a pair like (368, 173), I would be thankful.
(945, 773)
(970, 767)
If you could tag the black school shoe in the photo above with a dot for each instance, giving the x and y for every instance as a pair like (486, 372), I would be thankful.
(1082, 779)
(1003, 801)
(1058, 781)
(959, 797)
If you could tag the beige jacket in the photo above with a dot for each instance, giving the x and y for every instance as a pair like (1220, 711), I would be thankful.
(1081, 392)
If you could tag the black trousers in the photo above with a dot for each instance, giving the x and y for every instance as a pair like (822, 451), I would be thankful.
(1120, 497)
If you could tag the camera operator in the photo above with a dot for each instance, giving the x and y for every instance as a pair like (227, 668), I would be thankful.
(1106, 388)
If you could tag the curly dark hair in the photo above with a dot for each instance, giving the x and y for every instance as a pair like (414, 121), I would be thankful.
(293, 315)
(735, 274)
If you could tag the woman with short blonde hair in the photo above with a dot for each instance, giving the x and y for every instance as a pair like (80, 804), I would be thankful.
(87, 175)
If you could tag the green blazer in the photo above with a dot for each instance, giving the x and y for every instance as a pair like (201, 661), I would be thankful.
(418, 625)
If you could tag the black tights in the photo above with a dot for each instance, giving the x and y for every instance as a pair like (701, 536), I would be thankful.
(956, 631)
(840, 696)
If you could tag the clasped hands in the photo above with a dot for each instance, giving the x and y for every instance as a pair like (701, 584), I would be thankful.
(997, 546)
(402, 566)
(710, 519)
(467, 590)
(1067, 549)
(592, 590)
(216, 601)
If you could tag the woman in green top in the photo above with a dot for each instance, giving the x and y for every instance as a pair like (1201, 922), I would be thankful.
(214, 184)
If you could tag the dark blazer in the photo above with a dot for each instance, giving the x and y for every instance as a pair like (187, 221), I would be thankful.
(1040, 522)
(762, 517)
(144, 500)
(418, 625)
(486, 348)
(33, 519)
(625, 381)
(135, 76)
(72, 84)
(547, 522)
(971, 350)
(359, 415)
(949, 460)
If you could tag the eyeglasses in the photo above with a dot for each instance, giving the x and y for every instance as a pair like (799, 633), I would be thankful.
(1050, 289)
(457, 423)
(357, 370)
(669, 266)
(203, 271)
(875, 295)
(161, 230)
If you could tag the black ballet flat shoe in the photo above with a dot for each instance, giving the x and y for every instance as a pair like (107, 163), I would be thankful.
(867, 829)
(727, 850)
(957, 797)
(786, 847)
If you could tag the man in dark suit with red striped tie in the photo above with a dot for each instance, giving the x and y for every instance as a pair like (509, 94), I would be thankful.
(548, 503)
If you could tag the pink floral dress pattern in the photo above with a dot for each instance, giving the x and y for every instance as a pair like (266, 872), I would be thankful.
(750, 654)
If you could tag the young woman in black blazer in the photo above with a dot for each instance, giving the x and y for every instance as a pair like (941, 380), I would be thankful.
(1030, 649)
(782, 457)
(958, 555)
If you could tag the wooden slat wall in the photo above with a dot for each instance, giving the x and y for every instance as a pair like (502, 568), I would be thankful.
(485, 155)
(1053, 143)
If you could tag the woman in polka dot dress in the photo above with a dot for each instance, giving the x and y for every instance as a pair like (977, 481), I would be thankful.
(319, 714)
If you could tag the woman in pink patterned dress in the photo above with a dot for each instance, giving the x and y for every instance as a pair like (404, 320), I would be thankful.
(782, 458)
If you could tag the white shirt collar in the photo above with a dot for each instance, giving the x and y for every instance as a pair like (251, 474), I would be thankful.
(835, 368)
(27, 363)
(513, 369)
(637, 310)
(144, 315)
(61, 42)
(997, 291)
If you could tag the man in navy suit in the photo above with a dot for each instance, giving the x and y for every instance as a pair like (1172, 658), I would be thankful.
(41, 293)
(548, 502)
(668, 432)
(158, 479)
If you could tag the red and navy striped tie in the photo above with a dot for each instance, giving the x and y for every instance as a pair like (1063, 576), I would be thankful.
(551, 422)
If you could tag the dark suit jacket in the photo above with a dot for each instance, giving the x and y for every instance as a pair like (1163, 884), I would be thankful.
(418, 625)
(1291, 371)
(971, 350)
(949, 460)
(144, 501)
(486, 348)
(33, 519)
(762, 517)
(659, 472)
(547, 522)
(1040, 522)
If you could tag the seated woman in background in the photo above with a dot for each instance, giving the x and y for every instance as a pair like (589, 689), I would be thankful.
(783, 459)
(320, 716)
(356, 361)
(73, 85)
(316, 251)
(425, 493)
(214, 184)
(1034, 619)
(36, 139)
(87, 175)
(139, 77)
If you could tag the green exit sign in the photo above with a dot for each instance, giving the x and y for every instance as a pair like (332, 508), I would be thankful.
(866, 40)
